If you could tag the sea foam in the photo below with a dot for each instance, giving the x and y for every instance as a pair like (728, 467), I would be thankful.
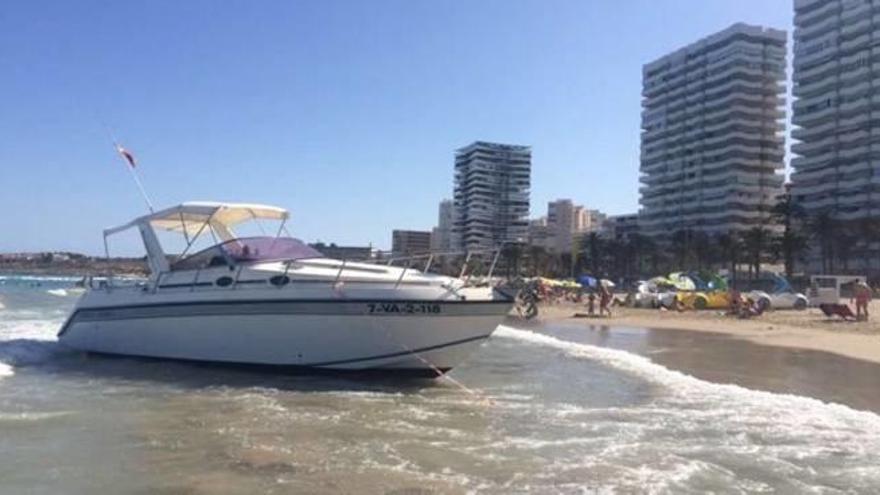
(681, 385)
(801, 439)
(27, 342)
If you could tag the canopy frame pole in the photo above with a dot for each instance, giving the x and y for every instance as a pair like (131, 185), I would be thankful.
(280, 228)
(109, 272)
(403, 272)
(195, 237)
(257, 220)
(464, 266)
(213, 234)
(185, 233)
(339, 273)
(494, 262)
(278, 235)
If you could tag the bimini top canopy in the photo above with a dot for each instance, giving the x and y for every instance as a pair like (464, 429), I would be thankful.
(190, 217)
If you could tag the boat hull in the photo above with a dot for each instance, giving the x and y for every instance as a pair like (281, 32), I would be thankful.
(411, 337)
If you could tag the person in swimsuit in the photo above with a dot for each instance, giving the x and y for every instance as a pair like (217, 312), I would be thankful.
(862, 296)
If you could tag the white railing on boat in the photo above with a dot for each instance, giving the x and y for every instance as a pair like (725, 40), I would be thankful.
(109, 282)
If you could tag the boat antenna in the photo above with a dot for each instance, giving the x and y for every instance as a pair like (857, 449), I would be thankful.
(132, 167)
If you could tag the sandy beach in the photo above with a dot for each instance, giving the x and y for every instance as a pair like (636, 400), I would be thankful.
(808, 329)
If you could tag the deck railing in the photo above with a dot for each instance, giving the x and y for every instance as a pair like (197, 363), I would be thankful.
(467, 272)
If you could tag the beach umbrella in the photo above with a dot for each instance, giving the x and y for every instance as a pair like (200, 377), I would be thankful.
(606, 283)
(587, 281)
(682, 281)
(718, 283)
(661, 282)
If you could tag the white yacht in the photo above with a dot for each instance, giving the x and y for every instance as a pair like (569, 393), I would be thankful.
(275, 301)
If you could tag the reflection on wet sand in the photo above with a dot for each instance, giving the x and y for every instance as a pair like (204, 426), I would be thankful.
(721, 359)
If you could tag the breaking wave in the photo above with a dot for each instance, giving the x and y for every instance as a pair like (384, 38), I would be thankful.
(27, 342)
(809, 444)
(682, 386)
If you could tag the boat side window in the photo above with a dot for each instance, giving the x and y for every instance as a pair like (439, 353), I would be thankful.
(218, 261)
(247, 250)
(208, 258)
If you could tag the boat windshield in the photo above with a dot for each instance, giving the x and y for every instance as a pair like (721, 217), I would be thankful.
(248, 250)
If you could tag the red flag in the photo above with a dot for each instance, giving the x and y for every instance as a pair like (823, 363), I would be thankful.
(125, 154)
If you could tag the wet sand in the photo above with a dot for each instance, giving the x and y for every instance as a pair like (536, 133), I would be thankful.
(730, 359)
(807, 330)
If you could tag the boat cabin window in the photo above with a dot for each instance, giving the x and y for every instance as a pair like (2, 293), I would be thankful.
(247, 250)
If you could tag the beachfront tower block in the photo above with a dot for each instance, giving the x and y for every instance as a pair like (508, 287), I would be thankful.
(491, 199)
(712, 153)
(441, 235)
(836, 115)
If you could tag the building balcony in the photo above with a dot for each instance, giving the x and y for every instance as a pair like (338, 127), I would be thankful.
(814, 190)
(826, 87)
(860, 41)
(809, 147)
(803, 62)
(854, 138)
(860, 10)
(812, 132)
(817, 70)
(805, 162)
(853, 29)
(850, 107)
(853, 76)
(813, 118)
(818, 28)
(816, 15)
(853, 121)
(853, 90)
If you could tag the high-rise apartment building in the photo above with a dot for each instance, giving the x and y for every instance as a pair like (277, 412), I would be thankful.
(492, 185)
(712, 133)
(837, 89)
(441, 235)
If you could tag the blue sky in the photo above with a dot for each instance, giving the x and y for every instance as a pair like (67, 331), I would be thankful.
(345, 112)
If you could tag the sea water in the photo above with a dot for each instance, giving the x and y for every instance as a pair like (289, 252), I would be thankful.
(533, 411)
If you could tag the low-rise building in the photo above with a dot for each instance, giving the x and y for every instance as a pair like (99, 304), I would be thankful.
(410, 242)
(343, 252)
(621, 226)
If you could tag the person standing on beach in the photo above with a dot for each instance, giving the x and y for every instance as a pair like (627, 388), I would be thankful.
(604, 300)
(862, 296)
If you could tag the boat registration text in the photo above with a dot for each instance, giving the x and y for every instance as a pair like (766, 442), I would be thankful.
(403, 308)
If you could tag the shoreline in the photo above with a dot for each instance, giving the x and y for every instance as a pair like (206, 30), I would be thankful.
(859, 340)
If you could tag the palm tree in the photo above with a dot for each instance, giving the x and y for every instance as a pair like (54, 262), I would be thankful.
(756, 241)
(868, 231)
(594, 252)
(638, 243)
(681, 246)
(539, 259)
(702, 249)
(617, 256)
(823, 228)
(512, 254)
(653, 254)
(843, 242)
(729, 246)
(791, 243)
